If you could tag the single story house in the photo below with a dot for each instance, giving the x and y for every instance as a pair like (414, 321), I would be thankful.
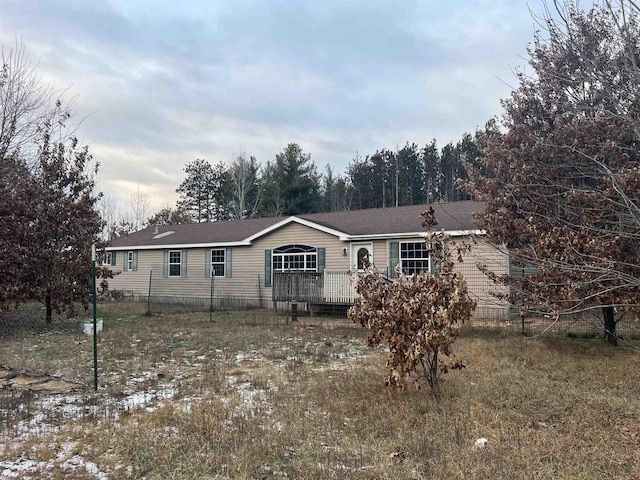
(308, 258)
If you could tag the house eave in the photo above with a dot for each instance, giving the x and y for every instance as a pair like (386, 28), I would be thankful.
(421, 234)
(178, 246)
(344, 237)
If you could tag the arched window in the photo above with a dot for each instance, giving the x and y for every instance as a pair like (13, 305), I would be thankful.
(302, 258)
(363, 258)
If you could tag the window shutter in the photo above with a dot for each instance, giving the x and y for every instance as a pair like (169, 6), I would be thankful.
(113, 259)
(125, 257)
(165, 264)
(135, 261)
(227, 263)
(267, 268)
(394, 258)
(322, 254)
(207, 263)
(183, 264)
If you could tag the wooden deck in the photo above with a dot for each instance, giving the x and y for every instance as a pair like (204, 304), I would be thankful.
(313, 287)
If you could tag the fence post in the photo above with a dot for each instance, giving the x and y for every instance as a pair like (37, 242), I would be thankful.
(95, 318)
(149, 295)
(259, 292)
(211, 299)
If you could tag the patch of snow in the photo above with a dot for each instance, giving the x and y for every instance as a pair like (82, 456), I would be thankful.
(252, 398)
(20, 468)
(93, 469)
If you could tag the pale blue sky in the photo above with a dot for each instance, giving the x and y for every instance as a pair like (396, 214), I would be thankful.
(162, 83)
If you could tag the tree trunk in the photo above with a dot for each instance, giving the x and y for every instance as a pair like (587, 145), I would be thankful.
(432, 374)
(609, 326)
(49, 308)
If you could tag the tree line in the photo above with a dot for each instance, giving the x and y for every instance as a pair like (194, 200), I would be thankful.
(291, 184)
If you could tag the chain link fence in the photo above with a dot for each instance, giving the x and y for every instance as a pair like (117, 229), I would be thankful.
(30, 319)
(212, 296)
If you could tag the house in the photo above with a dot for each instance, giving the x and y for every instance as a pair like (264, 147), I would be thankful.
(307, 258)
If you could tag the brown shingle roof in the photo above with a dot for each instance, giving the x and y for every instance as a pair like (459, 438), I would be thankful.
(378, 221)
(375, 221)
(184, 234)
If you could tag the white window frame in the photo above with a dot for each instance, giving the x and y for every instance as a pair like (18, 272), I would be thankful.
(404, 260)
(130, 261)
(218, 263)
(178, 263)
(106, 261)
(286, 258)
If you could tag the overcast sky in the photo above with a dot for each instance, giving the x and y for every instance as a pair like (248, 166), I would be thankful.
(163, 82)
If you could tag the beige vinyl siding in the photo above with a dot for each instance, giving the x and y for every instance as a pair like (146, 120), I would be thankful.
(248, 262)
(296, 234)
(134, 281)
(479, 285)
(381, 255)
(247, 279)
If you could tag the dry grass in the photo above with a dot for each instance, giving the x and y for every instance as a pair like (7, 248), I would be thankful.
(251, 397)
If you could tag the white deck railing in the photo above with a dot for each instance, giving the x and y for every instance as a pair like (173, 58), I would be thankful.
(338, 288)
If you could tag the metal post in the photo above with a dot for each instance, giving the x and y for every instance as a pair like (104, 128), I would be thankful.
(149, 295)
(95, 318)
(211, 300)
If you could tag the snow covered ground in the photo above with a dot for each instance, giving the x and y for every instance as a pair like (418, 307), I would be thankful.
(30, 436)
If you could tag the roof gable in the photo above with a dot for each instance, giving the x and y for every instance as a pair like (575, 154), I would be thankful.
(301, 221)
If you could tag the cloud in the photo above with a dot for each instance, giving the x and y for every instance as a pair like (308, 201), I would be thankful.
(164, 82)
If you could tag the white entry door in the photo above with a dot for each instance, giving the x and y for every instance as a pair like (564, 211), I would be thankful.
(361, 253)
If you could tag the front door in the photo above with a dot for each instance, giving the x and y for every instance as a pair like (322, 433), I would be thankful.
(361, 256)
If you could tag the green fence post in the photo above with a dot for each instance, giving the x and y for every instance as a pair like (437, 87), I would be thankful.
(149, 295)
(95, 318)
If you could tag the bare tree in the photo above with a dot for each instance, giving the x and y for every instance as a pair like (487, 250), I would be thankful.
(244, 193)
(108, 206)
(336, 191)
(138, 209)
(26, 104)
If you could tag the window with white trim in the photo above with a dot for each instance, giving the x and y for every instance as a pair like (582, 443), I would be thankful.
(130, 261)
(108, 259)
(301, 258)
(175, 261)
(217, 262)
(414, 257)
